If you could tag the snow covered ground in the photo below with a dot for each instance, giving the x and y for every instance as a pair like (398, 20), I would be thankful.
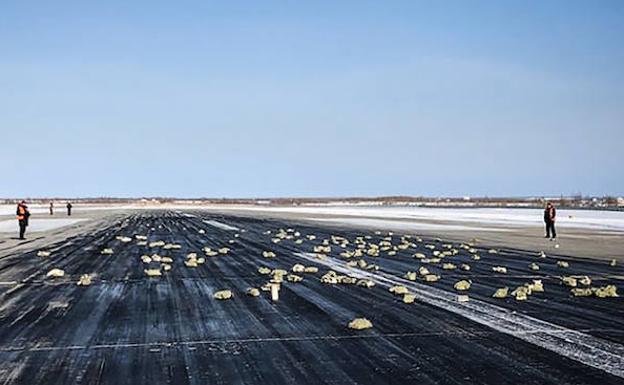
(59, 208)
(507, 217)
(404, 225)
(488, 219)
(37, 225)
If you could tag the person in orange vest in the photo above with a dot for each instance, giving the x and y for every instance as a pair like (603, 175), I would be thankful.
(22, 218)
(549, 219)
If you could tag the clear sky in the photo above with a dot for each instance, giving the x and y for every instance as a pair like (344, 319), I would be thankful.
(337, 98)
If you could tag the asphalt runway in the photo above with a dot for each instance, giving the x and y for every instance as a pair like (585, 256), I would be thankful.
(127, 328)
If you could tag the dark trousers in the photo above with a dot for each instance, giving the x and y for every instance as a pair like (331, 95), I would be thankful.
(22, 227)
(550, 229)
(69, 212)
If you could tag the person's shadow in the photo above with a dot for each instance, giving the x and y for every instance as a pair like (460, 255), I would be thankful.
(32, 238)
(23, 240)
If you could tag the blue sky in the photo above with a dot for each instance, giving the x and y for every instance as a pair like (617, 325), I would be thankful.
(349, 98)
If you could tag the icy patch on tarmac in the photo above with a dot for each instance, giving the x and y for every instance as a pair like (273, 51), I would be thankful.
(38, 225)
(220, 225)
(402, 225)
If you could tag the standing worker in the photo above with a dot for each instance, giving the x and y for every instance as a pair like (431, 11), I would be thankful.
(51, 208)
(549, 219)
(69, 207)
(22, 218)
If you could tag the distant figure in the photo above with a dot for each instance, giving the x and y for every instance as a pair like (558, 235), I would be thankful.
(549, 219)
(22, 218)
(51, 208)
(69, 207)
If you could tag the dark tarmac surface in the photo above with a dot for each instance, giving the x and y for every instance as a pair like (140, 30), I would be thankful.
(127, 328)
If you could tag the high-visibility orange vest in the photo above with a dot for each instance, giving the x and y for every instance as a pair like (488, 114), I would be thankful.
(21, 213)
